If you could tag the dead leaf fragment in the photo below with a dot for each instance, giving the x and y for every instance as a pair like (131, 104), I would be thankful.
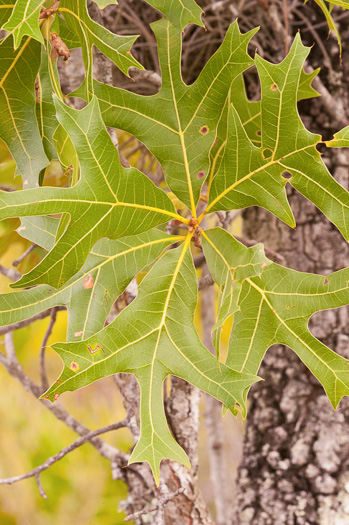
(59, 48)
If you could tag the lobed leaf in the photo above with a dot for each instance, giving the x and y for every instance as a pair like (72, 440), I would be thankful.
(108, 201)
(24, 20)
(274, 306)
(152, 338)
(18, 125)
(109, 268)
(89, 33)
(178, 125)
(180, 13)
(251, 175)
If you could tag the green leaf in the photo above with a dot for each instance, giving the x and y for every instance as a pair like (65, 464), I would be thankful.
(153, 338)
(109, 268)
(178, 125)
(180, 13)
(230, 263)
(24, 20)
(340, 139)
(115, 47)
(253, 175)
(330, 21)
(5, 11)
(45, 108)
(18, 125)
(276, 308)
(108, 201)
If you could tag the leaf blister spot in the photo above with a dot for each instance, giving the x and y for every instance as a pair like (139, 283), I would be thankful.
(78, 334)
(201, 174)
(88, 282)
(274, 87)
(204, 130)
(56, 396)
(74, 366)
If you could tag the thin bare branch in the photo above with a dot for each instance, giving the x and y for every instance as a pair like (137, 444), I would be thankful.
(44, 380)
(66, 450)
(107, 451)
(24, 255)
(10, 273)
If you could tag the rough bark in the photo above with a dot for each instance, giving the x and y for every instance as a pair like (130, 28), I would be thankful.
(295, 468)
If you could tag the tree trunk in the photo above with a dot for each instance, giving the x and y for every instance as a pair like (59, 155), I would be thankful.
(295, 468)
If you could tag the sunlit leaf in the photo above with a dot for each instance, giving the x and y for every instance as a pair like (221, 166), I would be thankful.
(178, 125)
(163, 341)
(108, 201)
(90, 294)
(251, 175)
(24, 20)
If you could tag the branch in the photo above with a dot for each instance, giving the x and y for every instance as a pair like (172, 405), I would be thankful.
(57, 457)
(107, 451)
(10, 273)
(44, 380)
(24, 255)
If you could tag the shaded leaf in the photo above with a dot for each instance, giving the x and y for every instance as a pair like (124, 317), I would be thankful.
(152, 338)
(45, 108)
(18, 125)
(108, 201)
(178, 125)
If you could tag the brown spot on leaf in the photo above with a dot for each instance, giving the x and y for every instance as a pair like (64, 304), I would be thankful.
(259, 133)
(201, 174)
(274, 87)
(74, 366)
(286, 175)
(58, 47)
(204, 130)
(88, 282)
(325, 281)
(58, 381)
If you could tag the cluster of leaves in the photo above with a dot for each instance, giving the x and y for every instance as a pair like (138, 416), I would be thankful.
(215, 147)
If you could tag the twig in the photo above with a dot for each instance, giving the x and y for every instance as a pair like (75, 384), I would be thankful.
(24, 255)
(10, 273)
(151, 76)
(44, 380)
(107, 451)
(57, 457)
(26, 322)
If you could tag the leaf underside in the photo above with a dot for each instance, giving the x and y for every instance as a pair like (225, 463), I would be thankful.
(209, 132)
